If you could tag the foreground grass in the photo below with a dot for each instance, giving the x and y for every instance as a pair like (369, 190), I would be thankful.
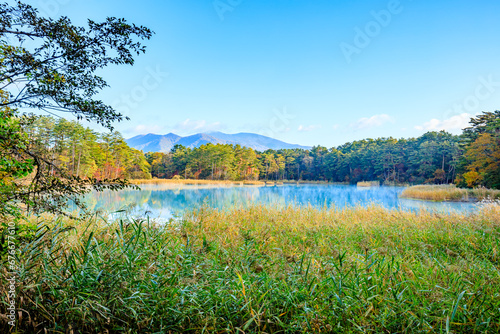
(261, 270)
(449, 193)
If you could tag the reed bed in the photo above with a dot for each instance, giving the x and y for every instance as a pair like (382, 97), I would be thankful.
(262, 270)
(196, 182)
(368, 184)
(449, 193)
(312, 182)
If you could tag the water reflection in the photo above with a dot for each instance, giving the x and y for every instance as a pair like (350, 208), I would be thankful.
(166, 201)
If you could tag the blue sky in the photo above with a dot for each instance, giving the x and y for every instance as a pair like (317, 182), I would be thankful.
(319, 72)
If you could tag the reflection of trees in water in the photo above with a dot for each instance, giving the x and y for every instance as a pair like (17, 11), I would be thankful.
(164, 202)
(339, 196)
(180, 199)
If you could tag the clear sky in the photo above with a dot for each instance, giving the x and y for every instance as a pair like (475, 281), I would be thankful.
(311, 72)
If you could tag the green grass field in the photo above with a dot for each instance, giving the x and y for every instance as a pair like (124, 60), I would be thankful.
(262, 270)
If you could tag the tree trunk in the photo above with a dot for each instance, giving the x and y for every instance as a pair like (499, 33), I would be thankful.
(73, 160)
(78, 167)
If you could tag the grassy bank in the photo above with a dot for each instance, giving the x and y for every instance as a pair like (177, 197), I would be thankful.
(262, 270)
(449, 193)
(368, 184)
(196, 182)
(310, 182)
(224, 182)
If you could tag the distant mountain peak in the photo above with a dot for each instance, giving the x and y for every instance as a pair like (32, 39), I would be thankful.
(164, 143)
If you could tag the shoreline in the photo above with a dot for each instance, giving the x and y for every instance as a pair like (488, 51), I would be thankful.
(229, 182)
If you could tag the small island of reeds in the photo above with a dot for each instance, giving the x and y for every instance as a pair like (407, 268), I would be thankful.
(368, 184)
(449, 193)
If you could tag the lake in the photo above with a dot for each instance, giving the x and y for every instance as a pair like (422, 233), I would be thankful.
(165, 201)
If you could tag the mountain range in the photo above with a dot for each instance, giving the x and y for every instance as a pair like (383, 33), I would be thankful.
(164, 143)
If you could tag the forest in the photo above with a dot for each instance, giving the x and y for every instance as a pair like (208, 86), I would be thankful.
(471, 159)
(85, 153)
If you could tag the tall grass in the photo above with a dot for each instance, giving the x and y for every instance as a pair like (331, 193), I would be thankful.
(195, 182)
(312, 182)
(228, 182)
(263, 269)
(368, 184)
(449, 193)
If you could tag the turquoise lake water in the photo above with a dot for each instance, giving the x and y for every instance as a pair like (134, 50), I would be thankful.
(167, 201)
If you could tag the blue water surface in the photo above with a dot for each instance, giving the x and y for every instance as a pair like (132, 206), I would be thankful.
(167, 201)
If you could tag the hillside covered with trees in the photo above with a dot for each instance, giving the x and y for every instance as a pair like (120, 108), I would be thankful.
(85, 153)
(471, 159)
